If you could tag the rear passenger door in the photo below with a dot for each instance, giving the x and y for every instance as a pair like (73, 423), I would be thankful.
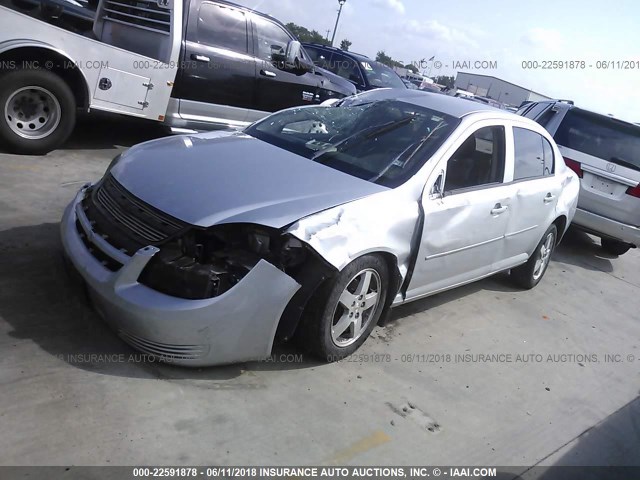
(277, 88)
(535, 192)
(217, 67)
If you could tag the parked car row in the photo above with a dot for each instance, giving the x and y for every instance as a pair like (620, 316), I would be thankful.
(230, 66)
(363, 72)
(233, 66)
(316, 220)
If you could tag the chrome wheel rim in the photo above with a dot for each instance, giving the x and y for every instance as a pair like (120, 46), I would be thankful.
(544, 255)
(32, 112)
(356, 307)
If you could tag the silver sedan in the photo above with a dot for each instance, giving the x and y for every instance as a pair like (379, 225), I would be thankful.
(312, 223)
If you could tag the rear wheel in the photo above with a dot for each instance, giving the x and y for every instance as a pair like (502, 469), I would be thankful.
(615, 247)
(529, 275)
(38, 111)
(343, 313)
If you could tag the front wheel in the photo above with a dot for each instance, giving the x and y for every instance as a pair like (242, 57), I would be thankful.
(529, 275)
(615, 247)
(38, 111)
(343, 313)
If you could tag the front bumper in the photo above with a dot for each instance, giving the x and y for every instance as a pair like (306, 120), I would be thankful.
(606, 227)
(237, 326)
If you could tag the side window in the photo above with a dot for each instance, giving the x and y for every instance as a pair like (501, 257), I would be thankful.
(272, 39)
(222, 27)
(479, 160)
(529, 154)
(548, 157)
(346, 68)
(318, 57)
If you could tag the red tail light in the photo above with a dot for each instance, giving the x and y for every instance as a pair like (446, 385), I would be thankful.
(634, 191)
(573, 165)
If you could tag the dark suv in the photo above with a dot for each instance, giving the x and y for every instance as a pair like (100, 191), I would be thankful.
(605, 153)
(363, 72)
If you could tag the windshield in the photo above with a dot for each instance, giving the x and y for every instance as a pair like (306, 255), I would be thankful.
(381, 76)
(384, 142)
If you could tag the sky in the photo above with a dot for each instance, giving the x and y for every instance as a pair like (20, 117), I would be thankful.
(506, 33)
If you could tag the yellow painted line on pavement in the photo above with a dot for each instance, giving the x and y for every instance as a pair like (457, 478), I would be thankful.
(374, 440)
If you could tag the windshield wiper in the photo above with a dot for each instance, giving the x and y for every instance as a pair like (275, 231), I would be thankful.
(414, 148)
(625, 163)
(368, 133)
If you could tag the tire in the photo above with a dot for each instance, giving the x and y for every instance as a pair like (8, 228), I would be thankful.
(615, 247)
(336, 306)
(40, 106)
(529, 275)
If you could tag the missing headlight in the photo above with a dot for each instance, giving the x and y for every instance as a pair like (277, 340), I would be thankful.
(173, 273)
(206, 263)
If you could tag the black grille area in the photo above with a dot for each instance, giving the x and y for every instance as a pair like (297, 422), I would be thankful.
(102, 257)
(125, 221)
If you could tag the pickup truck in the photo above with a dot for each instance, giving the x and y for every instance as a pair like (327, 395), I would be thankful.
(190, 64)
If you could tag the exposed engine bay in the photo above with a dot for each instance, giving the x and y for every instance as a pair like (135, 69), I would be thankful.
(206, 263)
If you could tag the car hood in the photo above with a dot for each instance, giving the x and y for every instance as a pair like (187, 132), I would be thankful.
(230, 177)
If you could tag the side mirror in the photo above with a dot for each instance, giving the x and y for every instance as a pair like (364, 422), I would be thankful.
(437, 190)
(294, 59)
(51, 11)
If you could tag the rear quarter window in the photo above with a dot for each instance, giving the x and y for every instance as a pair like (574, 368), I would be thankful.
(600, 136)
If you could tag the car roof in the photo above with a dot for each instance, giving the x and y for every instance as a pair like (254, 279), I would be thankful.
(455, 107)
(251, 10)
(358, 56)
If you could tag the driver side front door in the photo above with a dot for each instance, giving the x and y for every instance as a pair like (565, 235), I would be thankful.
(466, 207)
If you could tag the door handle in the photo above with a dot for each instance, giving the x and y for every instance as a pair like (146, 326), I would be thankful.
(498, 209)
(267, 73)
(200, 58)
(549, 198)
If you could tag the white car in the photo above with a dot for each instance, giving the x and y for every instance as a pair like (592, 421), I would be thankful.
(205, 249)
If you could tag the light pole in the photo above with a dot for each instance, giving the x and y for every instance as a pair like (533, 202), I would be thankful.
(333, 37)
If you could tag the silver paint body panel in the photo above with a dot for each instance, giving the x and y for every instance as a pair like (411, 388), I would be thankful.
(230, 177)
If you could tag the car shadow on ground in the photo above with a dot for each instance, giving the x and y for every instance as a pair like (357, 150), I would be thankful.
(613, 442)
(40, 302)
(582, 250)
(98, 131)
(496, 283)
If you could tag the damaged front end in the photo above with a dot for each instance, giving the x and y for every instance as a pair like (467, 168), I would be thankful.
(205, 263)
(192, 262)
(165, 286)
